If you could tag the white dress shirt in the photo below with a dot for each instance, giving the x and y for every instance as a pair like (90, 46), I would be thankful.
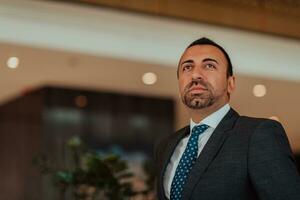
(212, 121)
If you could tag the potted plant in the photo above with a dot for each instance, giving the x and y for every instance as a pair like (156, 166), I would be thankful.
(91, 176)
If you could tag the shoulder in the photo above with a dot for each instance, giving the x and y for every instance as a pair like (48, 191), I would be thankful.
(256, 120)
(266, 135)
(259, 124)
(269, 131)
(271, 165)
(261, 130)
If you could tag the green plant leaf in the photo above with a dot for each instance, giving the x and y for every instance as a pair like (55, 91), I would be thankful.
(64, 177)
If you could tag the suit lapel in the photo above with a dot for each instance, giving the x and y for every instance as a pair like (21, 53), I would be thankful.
(170, 146)
(209, 152)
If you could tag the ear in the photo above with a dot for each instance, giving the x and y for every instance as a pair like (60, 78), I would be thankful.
(231, 84)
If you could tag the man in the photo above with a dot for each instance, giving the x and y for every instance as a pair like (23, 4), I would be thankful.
(222, 155)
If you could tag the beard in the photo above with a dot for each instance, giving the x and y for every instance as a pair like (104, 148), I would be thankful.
(201, 100)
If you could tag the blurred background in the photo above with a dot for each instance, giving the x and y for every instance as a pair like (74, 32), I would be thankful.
(104, 72)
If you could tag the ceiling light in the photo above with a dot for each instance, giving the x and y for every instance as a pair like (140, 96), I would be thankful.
(259, 90)
(12, 62)
(149, 78)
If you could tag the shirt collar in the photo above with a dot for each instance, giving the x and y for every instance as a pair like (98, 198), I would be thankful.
(213, 119)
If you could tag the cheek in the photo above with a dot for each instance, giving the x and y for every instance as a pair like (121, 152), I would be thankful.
(182, 83)
(218, 84)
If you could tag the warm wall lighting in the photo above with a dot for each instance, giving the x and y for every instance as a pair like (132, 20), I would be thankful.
(274, 118)
(149, 78)
(12, 62)
(81, 101)
(259, 90)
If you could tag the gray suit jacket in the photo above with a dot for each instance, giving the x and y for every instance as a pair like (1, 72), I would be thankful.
(245, 158)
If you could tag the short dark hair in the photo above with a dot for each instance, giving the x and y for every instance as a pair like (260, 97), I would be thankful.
(206, 41)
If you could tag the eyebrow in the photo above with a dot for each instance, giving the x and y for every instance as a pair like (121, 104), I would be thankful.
(187, 61)
(204, 60)
(210, 59)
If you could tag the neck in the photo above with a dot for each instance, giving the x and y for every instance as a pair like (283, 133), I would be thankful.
(198, 115)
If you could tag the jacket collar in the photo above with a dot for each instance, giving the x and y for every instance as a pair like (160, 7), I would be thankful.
(205, 158)
(210, 151)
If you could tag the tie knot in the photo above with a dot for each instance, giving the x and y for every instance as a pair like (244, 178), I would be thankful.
(199, 129)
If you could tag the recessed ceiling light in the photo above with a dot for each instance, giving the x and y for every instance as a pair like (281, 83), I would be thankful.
(259, 90)
(12, 62)
(149, 78)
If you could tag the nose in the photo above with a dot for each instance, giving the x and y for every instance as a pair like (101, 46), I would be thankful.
(197, 73)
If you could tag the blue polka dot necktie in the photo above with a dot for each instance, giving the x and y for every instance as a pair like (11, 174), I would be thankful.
(186, 163)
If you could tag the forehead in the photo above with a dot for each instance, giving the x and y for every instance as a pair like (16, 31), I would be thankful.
(202, 52)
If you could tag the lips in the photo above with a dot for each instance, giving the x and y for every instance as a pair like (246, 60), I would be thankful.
(197, 89)
(196, 86)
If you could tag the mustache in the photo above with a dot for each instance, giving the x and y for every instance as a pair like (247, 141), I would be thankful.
(200, 82)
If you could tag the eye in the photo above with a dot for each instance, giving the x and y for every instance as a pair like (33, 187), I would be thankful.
(186, 68)
(210, 66)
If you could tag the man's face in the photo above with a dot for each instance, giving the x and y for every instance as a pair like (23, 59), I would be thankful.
(202, 77)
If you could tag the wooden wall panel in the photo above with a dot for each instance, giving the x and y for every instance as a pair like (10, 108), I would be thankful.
(268, 16)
